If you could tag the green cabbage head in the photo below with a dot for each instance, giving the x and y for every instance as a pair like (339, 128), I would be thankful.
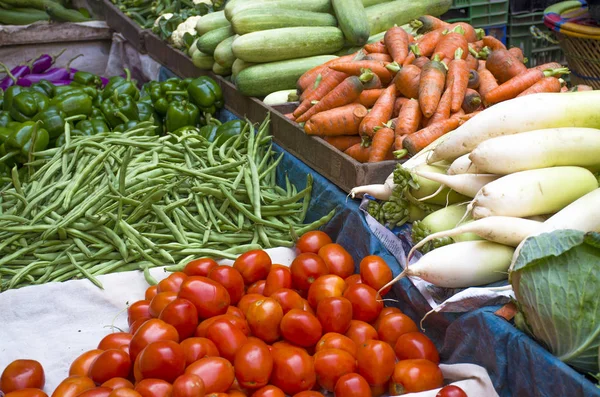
(556, 279)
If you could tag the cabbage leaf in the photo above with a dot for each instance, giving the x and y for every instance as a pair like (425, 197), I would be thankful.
(556, 279)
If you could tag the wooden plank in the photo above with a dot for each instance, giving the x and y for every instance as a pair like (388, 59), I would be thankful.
(125, 25)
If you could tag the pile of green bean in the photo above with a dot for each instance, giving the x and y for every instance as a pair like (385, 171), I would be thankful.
(116, 202)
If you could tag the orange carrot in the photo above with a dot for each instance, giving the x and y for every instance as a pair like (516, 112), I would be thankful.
(427, 23)
(476, 46)
(381, 145)
(458, 80)
(344, 120)
(473, 80)
(471, 101)
(368, 98)
(380, 113)
(344, 93)
(460, 113)
(517, 53)
(420, 62)
(550, 65)
(487, 82)
(355, 68)
(378, 47)
(481, 64)
(447, 46)
(308, 78)
(410, 58)
(472, 62)
(407, 81)
(493, 43)
(431, 86)
(520, 83)
(444, 108)
(359, 152)
(410, 119)
(315, 84)
(469, 31)
(376, 56)
(328, 83)
(343, 142)
(399, 142)
(370, 80)
(504, 66)
(396, 41)
(425, 46)
(547, 84)
(400, 101)
(416, 142)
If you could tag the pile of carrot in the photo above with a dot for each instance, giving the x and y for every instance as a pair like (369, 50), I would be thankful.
(396, 96)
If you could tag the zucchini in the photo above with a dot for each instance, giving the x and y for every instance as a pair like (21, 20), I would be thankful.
(287, 43)
(369, 3)
(281, 97)
(237, 67)
(352, 18)
(221, 70)
(209, 41)
(22, 16)
(235, 7)
(202, 61)
(263, 79)
(264, 18)
(223, 54)
(383, 16)
(212, 21)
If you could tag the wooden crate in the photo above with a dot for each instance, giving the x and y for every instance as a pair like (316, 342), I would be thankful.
(125, 25)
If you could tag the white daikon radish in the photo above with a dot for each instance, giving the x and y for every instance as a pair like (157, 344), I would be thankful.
(527, 113)
(462, 265)
(533, 192)
(466, 184)
(463, 165)
(281, 97)
(538, 149)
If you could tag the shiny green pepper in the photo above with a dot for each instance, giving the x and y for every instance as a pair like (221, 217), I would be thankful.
(119, 109)
(4, 118)
(209, 131)
(91, 91)
(27, 139)
(92, 127)
(73, 103)
(44, 87)
(61, 89)
(181, 114)
(205, 93)
(53, 120)
(10, 93)
(229, 129)
(128, 125)
(5, 132)
(122, 86)
(26, 105)
(147, 113)
(87, 78)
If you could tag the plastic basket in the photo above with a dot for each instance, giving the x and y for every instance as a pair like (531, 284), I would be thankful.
(479, 13)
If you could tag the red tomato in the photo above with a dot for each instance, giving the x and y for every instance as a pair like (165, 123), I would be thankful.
(73, 385)
(154, 388)
(338, 260)
(352, 385)
(138, 310)
(241, 323)
(231, 279)
(379, 390)
(306, 268)
(117, 383)
(335, 314)
(181, 314)
(136, 325)
(279, 277)
(384, 312)
(96, 392)
(375, 360)
(306, 307)
(360, 332)
(153, 330)
(375, 273)
(112, 363)
(162, 360)
(269, 391)
(412, 376)
(116, 340)
(227, 337)
(151, 292)
(331, 364)
(22, 374)
(332, 340)
(188, 385)
(216, 373)
(288, 299)
(160, 301)
(312, 241)
(257, 288)
(353, 279)
(172, 283)
(209, 297)
(264, 317)
(235, 393)
(416, 345)
(200, 267)
(197, 348)
(309, 393)
(366, 302)
(27, 392)
(451, 391)
(247, 300)
(393, 325)
(236, 312)
(253, 364)
(326, 286)
(293, 370)
(301, 328)
(253, 265)
(124, 392)
(81, 365)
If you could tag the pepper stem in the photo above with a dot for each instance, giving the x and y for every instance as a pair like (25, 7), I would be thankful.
(75, 118)
(8, 73)
(121, 116)
(184, 93)
(127, 74)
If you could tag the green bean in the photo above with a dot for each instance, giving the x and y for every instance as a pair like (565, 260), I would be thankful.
(169, 224)
(83, 271)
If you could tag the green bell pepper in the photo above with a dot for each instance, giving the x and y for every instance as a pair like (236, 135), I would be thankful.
(73, 103)
(7, 159)
(53, 121)
(92, 127)
(161, 106)
(27, 139)
(27, 104)
(209, 131)
(126, 126)
(205, 93)
(4, 118)
(91, 91)
(97, 114)
(61, 89)
(10, 93)
(44, 87)
(88, 79)
(181, 114)
(123, 104)
(122, 86)
(5, 132)
(229, 129)
(147, 113)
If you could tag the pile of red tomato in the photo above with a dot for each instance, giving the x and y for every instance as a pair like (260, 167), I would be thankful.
(256, 329)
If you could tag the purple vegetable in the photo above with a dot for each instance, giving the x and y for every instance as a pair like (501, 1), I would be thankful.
(44, 62)
(13, 75)
(73, 71)
(50, 75)
(104, 81)
(62, 82)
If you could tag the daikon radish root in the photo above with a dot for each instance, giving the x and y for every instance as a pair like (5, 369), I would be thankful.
(528, 113)
(466, 184)
(463, 165)
(538, 149)
(533, 192)
(427, 190)
(498, 229)
(462, 265)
